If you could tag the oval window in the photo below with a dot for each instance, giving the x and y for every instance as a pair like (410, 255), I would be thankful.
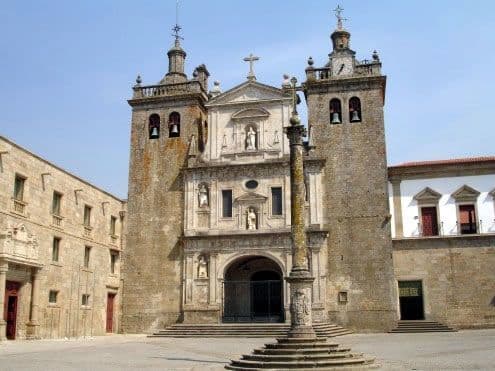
(251, 184)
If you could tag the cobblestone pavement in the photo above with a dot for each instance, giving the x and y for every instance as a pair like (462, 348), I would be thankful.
(465, 350)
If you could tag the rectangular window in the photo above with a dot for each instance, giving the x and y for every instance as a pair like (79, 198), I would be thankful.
(227, 203)
(85, 299)
(87, 216)
(114, 257)
(55, 249)
(467, 222)
(19, 187)
(113, 223)
(87, 254)
(429, 221)
(56, 202)
(277, 201)
(52, 296)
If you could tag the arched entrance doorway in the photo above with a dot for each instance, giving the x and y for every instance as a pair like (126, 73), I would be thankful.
(253, 291)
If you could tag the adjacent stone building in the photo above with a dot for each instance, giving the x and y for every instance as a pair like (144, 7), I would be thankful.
(206, 238)
(60, 248)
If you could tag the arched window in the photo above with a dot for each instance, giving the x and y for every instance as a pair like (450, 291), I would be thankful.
(154, 126)
(174, 125)
(335, 111)
(354, 109)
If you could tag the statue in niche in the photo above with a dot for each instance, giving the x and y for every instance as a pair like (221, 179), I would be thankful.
(203, 196)
(276, 139)
(202, 267)
(224, 141)
(251, 219)
(251, 139)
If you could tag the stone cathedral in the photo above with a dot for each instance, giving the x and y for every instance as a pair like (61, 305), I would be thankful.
(209, 197)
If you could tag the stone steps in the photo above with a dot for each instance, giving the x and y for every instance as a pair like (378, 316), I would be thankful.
(420, 326)
(302, 354)
(255, 330)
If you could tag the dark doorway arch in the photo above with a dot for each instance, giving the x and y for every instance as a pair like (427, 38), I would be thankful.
(253, 291)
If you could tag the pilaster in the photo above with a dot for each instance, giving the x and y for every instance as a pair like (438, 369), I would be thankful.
(4, 267)
(397, 205)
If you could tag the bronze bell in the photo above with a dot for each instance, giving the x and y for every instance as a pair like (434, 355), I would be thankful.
(355, 116)
(175, 129)
(335, 118)
(154, 132)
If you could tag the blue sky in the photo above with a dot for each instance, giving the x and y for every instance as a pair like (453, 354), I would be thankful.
(68, 67)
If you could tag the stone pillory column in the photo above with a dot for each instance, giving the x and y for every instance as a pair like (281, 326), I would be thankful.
(300, 279)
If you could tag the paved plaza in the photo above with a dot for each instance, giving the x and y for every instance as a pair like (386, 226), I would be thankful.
(464, 350)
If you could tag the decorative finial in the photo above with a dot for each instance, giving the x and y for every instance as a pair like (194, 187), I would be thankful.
(311, 61)
(251, 59)
(138, 80)
(294, 120)
(216, 90)
(375, 56)
(338, 13)
(176, 29)
(286, 81)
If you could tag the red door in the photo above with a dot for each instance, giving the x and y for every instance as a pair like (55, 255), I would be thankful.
(429, 221)
(10, 310)
(110, 301)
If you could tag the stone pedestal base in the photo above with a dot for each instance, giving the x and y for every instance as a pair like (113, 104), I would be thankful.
(3, 330)
(201, 316)
(32, 331)
(301, 285)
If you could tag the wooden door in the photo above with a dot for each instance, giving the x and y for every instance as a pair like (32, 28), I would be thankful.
(429, 221)
(10, 310)
(110, 302)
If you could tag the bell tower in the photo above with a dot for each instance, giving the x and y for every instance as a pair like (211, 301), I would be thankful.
(164, 129)
(345, 112)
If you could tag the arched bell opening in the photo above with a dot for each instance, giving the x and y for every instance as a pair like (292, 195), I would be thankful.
(253, 291)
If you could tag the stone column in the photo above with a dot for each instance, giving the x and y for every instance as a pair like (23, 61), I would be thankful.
(397, 205)
(300, 279)
(33, 324)
(4, 267)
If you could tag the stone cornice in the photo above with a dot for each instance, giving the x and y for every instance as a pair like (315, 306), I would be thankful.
(444, 242)
(186, 98)
(440, 170)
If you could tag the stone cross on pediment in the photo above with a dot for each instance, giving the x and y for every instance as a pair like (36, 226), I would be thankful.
(251, 59)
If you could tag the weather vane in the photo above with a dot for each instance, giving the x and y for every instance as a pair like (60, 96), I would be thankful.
(338, 13)
(176, 29)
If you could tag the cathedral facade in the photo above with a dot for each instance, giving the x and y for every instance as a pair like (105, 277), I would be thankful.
(209, 197)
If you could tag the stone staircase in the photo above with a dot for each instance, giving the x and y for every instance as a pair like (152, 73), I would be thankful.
(420, 326)
(302, 354)
(243, 330)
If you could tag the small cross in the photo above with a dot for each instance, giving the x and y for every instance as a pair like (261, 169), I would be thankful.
(338, 13)
(251, 59)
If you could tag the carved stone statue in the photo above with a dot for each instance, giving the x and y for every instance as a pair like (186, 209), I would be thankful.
(202, 267)
(251, 139)
(203, 196)
(251, 219)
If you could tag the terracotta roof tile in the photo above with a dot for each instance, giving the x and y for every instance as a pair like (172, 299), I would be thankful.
(453, 161)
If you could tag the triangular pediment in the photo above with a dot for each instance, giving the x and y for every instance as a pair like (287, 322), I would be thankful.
(427, 195)
(249, 91)
(251, 197)
(251, 113)
(465, 193)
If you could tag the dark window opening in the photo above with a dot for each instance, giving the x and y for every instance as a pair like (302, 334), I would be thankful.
(52, 297)
(227, 203)
(335, 111)
(19, 187)
(467, 215)
(87, 254)
(355, 110)
(113, 223)
(174, 125)
(154, 126)
(276, 201)
(55, 249)
(114, 256)
(87, 216)
(251, 184)
(56, 203)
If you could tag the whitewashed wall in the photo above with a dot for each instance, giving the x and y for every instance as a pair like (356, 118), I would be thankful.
(446, 205)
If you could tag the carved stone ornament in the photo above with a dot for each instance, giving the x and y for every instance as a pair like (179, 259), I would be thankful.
(202, 267)
(301, 307)
(203, 196)
(19, 232)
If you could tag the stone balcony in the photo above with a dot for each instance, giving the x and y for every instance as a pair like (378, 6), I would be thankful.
(18, 245)
(362, 68)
